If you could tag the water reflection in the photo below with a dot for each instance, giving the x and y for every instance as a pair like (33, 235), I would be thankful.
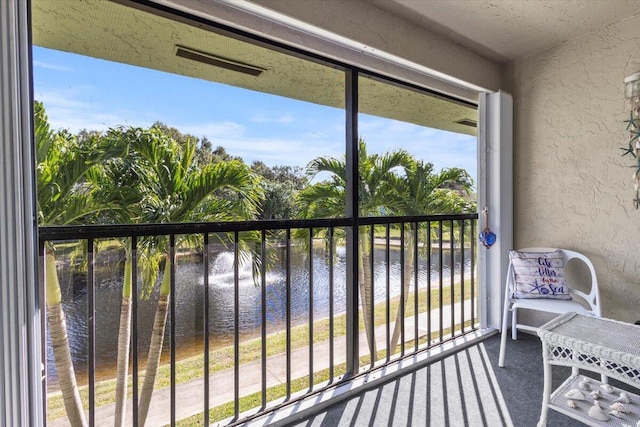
(189, 298)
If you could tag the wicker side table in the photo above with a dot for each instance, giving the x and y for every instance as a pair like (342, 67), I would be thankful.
(604, 346)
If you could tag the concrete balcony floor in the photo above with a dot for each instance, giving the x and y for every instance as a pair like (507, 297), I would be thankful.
(464, 389)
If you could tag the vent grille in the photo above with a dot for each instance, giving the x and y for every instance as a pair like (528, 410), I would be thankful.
(218, 61)
(468, 122)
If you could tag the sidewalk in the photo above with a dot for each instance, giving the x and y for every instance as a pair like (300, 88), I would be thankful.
(395, 242)
(190, 395)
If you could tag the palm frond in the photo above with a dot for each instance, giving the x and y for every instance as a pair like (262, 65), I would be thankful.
(321, 200)
(332, 165)
(65, 166)
(200, 185)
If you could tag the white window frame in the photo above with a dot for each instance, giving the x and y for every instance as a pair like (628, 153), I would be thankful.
(21, 371)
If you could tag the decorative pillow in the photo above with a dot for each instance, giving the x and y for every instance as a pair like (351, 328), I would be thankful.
(539, 275)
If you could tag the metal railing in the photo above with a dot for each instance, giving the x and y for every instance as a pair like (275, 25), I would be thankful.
(415, 279)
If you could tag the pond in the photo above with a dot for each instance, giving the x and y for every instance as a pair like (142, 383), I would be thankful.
(189, 298)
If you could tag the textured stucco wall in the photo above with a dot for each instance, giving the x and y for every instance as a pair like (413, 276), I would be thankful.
(572, 188)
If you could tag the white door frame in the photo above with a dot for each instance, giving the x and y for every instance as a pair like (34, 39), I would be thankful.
(21, 398)
(495, 192)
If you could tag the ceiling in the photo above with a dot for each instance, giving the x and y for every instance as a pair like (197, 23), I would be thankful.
(508, 30)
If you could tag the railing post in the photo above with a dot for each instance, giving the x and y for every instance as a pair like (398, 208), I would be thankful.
(172, 337)
(205, 371)
(91, 328)
(288, 311)
(331, 307)
(352, 173)
(263, 316)
(134, 329)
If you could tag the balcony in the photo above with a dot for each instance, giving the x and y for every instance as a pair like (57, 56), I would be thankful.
(261, 315)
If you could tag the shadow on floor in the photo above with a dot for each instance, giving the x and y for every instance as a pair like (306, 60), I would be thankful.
(464, 389)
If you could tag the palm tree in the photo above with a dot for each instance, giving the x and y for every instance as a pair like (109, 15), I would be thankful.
(327, 199)
(65, 195)
(425, 192)
(120, 181)
(180, 192)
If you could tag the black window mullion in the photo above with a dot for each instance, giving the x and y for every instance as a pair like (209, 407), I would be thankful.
(352, 212)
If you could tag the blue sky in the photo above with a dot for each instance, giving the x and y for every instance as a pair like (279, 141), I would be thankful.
(80, 92)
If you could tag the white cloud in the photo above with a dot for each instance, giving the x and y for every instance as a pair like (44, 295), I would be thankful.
(54, 67)
(214, 130)
(72, 109)
(274, 151)
(282, 119)
(64, 118)
(402, 127)
(316, 135)
(66, 109)
(60, 100)
(430, 132)
(259, 118)
(443, 149)
(286, 118)
(370, 125)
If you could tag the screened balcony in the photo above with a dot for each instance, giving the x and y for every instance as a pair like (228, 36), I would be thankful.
(261, 315)
(227, 320)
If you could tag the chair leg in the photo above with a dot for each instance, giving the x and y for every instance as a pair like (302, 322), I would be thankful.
(514, 322)
(503, 338)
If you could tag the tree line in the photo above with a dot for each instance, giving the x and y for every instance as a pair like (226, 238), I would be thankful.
(159, 175)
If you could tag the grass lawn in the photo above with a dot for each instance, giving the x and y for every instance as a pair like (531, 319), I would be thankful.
(254, 400)
(223, 358)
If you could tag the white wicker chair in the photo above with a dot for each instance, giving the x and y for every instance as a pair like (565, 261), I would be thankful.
(591, 300)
